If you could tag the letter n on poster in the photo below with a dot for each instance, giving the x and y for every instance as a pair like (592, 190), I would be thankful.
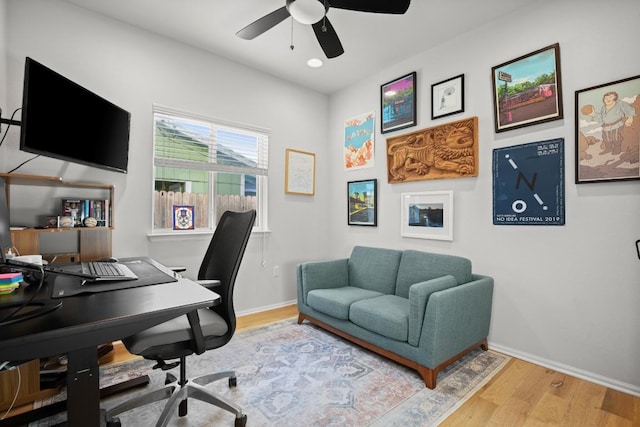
(528, 184)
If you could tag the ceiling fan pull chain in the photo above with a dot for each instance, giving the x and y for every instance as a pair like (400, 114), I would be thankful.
(291, 45)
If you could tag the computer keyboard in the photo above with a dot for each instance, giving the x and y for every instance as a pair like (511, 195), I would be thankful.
(102, 269)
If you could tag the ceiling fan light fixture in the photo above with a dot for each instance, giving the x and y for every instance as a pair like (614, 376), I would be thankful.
(315, 63)
(306, 11)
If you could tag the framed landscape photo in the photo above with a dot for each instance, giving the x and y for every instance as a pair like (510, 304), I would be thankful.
(528, 90)
(362, 202)
(447, 97)
(398, 103)
(427, 215)
(300, 171)
(608, 132)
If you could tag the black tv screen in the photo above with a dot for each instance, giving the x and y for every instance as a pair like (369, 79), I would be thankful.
(61, 119)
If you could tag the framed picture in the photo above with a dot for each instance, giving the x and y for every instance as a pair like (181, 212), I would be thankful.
(528, 90)
(359, 142)
(300, 172)
(447, 97)
(607, 132)
(183, 218)
(398, 103)
(528, 184)
(362, 202)
(427, 215)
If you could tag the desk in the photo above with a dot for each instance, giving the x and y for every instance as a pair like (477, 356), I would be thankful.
(85, 321)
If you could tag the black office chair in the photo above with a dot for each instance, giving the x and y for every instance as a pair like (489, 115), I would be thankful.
(201, 330)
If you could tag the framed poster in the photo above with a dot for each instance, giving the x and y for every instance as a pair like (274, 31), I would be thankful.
(183, 217)
(359, 144)
(527, 90)
(398, 103)
(608, 132)
(300, 172)
(362, 197)
(447, 97)
(528, 184)
(427, 215)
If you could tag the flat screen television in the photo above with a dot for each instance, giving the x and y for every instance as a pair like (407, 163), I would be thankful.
(63, 120)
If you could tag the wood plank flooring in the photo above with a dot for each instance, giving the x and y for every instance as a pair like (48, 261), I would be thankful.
(523, 394)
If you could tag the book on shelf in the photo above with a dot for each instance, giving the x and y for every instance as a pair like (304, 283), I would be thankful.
(81, 209)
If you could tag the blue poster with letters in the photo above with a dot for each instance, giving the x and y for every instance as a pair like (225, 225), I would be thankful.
(528, 184)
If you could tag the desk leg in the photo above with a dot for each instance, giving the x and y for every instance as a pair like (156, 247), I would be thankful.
(83, 388)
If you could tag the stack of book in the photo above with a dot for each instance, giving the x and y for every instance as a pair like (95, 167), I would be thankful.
(9, 282)
(79, 210)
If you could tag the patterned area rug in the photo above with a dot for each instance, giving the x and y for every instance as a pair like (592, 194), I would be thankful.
(300, 375)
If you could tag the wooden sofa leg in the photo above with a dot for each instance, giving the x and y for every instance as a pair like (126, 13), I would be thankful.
(300, 318)
(429, 376)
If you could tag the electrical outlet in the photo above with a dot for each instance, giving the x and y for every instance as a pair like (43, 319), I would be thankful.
(276, 271)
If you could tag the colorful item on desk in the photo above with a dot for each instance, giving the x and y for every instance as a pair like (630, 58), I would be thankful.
(10, 278)
(9, 282)
(4, 290)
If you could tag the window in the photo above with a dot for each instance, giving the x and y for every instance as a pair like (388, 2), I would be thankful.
(210, 165)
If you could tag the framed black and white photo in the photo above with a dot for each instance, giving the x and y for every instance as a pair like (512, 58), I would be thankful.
(447, 97)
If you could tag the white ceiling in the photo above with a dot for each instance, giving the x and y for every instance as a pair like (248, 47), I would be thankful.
(371, 41)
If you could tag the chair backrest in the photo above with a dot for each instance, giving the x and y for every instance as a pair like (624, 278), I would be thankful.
(223, 257)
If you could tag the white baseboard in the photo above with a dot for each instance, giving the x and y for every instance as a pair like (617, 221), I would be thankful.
(266, 308)
(569, 370)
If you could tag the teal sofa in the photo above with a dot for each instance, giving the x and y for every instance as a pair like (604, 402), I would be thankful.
(421, 309)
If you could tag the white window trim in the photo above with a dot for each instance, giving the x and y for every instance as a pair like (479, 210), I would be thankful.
(261, 180)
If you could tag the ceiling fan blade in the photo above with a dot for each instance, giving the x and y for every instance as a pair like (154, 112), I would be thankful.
(374, 6)
(328, 38)
(263, 24)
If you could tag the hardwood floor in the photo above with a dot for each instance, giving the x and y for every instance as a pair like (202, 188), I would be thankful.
(522, 394)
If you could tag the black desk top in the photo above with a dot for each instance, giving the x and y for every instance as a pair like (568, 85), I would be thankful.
(93, 319)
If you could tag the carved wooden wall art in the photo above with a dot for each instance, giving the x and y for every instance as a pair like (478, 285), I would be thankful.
(445, 151)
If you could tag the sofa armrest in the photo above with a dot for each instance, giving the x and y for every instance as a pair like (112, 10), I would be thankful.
(419, 294)
(321, 275)
(456, 318)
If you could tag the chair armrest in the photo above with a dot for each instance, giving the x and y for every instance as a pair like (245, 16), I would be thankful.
(321, 275)
(196, 330)
(419, 294)
(209, 284)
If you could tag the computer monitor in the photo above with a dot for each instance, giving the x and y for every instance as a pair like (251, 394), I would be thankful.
(5, 230)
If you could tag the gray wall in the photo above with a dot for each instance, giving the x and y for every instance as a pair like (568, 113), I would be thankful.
(566, 297)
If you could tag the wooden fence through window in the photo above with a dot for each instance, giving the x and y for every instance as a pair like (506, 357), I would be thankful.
(165, 200)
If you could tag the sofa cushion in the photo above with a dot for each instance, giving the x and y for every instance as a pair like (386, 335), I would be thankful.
(374, 268)
(387, 315)
(417, 266)
(336, 302)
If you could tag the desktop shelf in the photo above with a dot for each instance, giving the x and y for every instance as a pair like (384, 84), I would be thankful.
(94, 242)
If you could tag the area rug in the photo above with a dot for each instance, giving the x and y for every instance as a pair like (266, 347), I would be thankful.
(301, 375)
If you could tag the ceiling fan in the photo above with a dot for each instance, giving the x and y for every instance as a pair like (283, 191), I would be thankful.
(314, 13)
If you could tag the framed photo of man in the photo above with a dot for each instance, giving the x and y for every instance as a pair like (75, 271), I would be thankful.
(608, 132)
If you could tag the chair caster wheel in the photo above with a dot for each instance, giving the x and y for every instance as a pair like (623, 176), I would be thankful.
(242, 421)
(114, 422)
(233, 382)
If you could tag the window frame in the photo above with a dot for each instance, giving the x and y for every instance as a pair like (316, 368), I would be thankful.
(261, 223)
